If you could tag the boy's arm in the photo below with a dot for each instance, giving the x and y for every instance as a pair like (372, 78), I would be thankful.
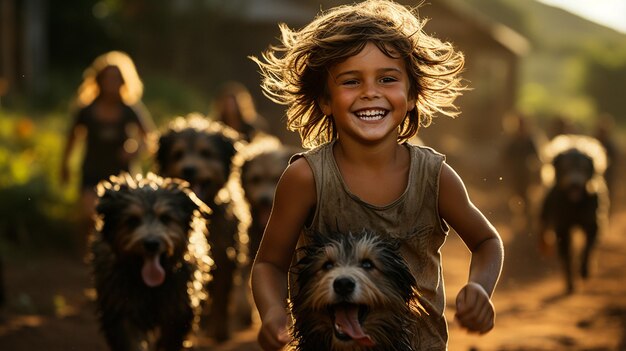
(294, 200)
(474, 307)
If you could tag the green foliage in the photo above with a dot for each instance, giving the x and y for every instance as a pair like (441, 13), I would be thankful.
(605, 75)
(576, 68)
(167, 97)
(33, 206)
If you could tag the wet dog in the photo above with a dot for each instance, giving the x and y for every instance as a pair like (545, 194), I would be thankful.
(260, 164)
(353, 292)
(150, 261)
(201, 151)
(576, 198)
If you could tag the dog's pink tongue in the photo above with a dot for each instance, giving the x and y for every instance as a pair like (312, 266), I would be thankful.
(152, 272)
(347, 319)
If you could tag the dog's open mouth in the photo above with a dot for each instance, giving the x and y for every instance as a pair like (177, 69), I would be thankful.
(347, 320)
(152, 271)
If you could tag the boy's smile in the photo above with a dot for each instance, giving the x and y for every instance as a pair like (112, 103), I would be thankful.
(368, 95)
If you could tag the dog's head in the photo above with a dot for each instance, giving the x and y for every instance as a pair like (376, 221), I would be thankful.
(572, 171)
(575, 161)
(199, 151)
(353, 292)
(150, 222)
(265, 159)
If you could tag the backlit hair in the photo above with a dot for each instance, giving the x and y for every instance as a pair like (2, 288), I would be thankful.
(131, 89)
(295, 72)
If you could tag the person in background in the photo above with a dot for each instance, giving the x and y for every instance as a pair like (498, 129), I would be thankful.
(235, 107)
(111, 121)
(522, 164)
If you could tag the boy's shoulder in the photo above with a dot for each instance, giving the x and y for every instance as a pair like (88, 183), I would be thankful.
(311, 153)
(424, 150)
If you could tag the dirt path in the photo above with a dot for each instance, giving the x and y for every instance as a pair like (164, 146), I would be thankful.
(48, 309)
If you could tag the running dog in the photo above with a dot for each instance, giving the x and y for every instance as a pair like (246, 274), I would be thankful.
(576, 197)
(201, 152)
(150, 261)
(353, 292)
(260, 165)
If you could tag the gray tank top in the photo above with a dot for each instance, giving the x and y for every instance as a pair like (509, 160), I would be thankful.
(413, 218)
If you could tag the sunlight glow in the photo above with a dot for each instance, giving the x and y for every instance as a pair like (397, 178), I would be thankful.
(610, 13)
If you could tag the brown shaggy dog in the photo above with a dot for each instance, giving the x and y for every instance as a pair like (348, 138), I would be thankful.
(576, 198)
(354, 292)
(201, 151)
(260, 165)
(150, 261)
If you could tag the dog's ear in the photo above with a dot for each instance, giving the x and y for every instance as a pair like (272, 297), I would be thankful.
(109, 198)
(396, 267)
(188, 203)
(164, 145)
(591, 170)
(227, 149)
(109, 205)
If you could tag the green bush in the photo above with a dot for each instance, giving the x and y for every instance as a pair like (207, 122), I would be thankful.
(34, 209)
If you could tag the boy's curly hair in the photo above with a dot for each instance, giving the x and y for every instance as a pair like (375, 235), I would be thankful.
(295, 72)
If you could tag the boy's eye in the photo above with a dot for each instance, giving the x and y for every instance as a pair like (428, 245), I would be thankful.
(350, 82)
(388, 80)
(367, 264)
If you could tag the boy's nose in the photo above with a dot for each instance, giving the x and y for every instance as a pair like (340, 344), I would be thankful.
(370, 90)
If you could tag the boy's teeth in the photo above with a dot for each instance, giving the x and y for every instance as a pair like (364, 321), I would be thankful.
(371, 114)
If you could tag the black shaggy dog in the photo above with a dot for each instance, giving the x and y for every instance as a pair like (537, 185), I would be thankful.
(201, 151)
(354, 292)
(150, 262)
(576, 198)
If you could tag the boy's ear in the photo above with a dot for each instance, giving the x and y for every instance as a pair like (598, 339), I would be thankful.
(324, 104)
(411, 103)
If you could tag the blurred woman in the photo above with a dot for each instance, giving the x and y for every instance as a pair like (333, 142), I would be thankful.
(111, 120)
(234, 106)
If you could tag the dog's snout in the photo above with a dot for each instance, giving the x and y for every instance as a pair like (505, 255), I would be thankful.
(151, 245)
(344, 286)
(266, 200)
(189, 172)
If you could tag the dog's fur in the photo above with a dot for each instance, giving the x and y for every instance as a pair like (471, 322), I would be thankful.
(576, 197)
(150, 261)
(259, 164)
(263, 163)
(201, 151)
(359, 278)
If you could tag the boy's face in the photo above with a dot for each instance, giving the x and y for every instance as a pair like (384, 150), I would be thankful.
(368, 95)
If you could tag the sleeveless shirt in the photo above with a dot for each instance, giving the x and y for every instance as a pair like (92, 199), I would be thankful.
(413, 218)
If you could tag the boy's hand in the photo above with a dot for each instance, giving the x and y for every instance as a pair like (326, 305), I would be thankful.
(273, 334)
(474, 309)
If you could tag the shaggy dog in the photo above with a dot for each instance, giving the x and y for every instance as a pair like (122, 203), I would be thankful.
(201, 151)
(353, 292)
(577, 197)
(150, 261)
(260, 164)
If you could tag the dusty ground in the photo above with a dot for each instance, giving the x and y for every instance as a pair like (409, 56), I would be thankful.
(48, 309)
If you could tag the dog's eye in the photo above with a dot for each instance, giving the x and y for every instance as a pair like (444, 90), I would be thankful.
(133, 221)
(367, 264)
(206, 153)
(177, 155)
(165, 218)
(328, 265)
(255, 180)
